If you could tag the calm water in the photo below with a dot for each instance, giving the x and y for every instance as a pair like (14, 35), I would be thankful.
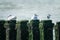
(24, 9)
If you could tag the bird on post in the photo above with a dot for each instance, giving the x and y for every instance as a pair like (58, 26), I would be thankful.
(35, 17)
(48, 16)
(10, 17)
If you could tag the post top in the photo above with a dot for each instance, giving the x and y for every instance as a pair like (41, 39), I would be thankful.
(49, 21)
(58, 23)
(23, 21)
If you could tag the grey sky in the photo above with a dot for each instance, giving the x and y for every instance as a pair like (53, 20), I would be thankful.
(24, 9)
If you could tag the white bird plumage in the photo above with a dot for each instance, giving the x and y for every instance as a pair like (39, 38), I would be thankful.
(35, 17)
(10, 17)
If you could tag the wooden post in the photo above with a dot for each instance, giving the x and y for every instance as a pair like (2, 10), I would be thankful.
(12, 30)
(2, 30)
(57, 31)
(48, 29)
(35, 29)
(24, 30)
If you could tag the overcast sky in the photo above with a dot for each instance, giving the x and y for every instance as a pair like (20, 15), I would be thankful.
(24, 9)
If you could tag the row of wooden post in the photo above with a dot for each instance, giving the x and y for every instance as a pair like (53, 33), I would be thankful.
(24, 30)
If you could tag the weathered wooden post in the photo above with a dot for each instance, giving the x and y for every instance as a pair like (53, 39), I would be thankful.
(48, 29)
(18, 30)
(35, 29)
(30, 31)
(41, 28)
(2, 30)
(57, 29)
(12, 29)
(24, 30)
(6, 25)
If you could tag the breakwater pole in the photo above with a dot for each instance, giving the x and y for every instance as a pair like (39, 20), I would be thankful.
(24, 30)
(57, 31)
(11, 30)
(2, 30)
(18, 30)
(35, 29)
(48, 29)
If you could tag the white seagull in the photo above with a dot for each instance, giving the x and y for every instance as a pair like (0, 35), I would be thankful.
(48, 16)
(10, 17)
(35, 17)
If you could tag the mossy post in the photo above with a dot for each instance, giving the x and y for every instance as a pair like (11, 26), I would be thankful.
(18, 30)
(24, 30)
(35, 29)
(6, 25)
(12, 30)
(58, 31)
(30, 31)
(48, 29)
(2, 30)
(41, 31)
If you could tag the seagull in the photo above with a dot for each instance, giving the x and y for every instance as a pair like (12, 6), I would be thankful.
(35, 17)
(11, 17)
(48, 16)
